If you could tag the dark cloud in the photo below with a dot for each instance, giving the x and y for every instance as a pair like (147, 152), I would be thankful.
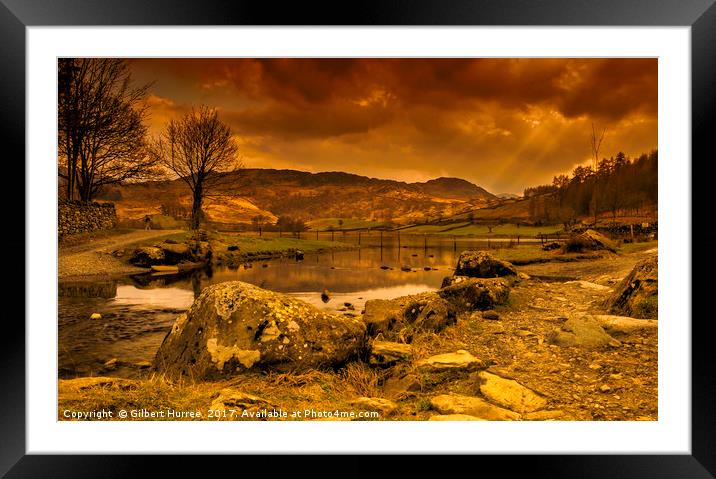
(506, 123)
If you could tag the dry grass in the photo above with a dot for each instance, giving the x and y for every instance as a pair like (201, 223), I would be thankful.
(361, 379)
(314, 390)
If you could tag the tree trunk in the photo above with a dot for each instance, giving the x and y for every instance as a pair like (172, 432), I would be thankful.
(196, 209)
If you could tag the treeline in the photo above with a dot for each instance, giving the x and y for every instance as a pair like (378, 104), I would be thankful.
(618, 183)
(283, 223)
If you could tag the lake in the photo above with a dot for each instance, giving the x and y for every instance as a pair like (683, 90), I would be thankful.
(138, 311)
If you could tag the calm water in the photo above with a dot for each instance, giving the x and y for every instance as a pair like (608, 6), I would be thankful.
(139, 311)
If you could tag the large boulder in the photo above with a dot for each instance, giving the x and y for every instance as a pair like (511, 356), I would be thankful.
(467, 294)
(481, 264)
(234, 326)
(424, 312)
(599, 240)
(637, 295)
(589, 240)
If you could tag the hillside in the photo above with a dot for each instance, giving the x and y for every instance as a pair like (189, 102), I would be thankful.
(308, 196)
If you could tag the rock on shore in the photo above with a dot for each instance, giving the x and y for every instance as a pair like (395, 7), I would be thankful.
(481, 264)
(467, 294)
(425, 311)
(637, 294)
(236, 326)
(583, 332)
(171, 253)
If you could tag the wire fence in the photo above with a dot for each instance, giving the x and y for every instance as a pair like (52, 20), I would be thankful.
(394, 238)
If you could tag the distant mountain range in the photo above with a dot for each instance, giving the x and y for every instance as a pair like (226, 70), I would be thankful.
(308, 196)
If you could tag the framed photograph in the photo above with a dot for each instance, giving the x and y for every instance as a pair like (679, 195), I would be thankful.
(423, 230)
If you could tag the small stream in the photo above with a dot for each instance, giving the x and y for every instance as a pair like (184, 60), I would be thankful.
(138, 311)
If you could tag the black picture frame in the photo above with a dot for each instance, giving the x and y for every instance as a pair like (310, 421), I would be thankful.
(700, 15)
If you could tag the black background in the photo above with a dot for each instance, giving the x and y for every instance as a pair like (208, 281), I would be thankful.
(16, 15)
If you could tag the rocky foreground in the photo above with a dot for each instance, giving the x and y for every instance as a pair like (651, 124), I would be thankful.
(493, 343)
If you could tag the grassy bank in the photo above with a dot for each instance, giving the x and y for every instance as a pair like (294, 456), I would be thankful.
(250, 246)
(533, 253)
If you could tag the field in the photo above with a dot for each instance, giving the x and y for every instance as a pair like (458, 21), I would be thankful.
(461, 229)
(326, 224)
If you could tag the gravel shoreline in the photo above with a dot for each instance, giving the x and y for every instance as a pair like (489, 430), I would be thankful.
(94, 259)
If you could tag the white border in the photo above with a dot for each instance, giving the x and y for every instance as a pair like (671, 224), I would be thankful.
(671, 434)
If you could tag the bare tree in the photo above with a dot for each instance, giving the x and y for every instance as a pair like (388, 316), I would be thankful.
(596, 143)
(100, 126)
(200, 150)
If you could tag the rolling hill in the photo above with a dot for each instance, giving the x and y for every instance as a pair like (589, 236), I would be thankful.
(308, 196)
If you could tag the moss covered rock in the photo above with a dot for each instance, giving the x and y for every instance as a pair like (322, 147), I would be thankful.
(234, 326)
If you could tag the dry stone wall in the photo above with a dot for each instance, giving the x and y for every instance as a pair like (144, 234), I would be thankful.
(76, 218)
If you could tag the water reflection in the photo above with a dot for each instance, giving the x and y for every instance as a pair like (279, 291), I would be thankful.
(139, 311)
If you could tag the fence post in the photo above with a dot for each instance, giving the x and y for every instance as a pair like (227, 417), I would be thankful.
(518, 240)
(358, 237)
(381, 241)
(454, 243)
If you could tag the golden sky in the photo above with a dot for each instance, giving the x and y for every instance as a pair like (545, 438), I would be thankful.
(503, 124)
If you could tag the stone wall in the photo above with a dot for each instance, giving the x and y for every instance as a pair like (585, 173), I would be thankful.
(75, 218)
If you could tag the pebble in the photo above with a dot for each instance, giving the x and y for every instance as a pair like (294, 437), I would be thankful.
(604, 388)
(96, 316)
